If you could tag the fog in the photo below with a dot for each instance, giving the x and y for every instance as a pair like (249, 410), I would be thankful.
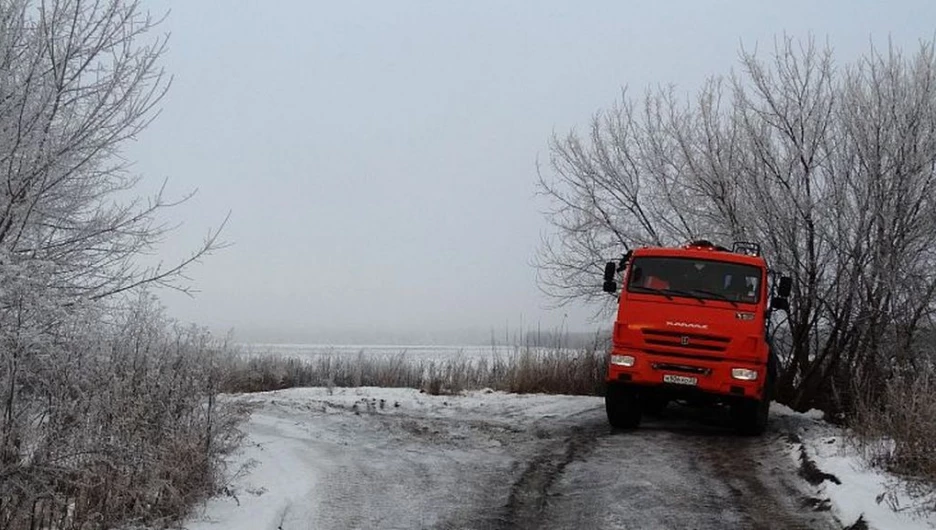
(379, 159)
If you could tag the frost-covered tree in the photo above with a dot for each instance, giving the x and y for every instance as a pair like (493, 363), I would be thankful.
(830, 167)
(78, 78)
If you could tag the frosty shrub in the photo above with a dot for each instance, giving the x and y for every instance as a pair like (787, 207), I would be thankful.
(112, 421)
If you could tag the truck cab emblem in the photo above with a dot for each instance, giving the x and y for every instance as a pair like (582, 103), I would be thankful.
(684, 340)
(690, 325)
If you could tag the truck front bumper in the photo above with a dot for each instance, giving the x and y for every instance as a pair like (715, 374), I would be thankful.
(680, 376)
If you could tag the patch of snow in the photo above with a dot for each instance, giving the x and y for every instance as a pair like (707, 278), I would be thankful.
(277, 470)
(880, 499)
(777, 409)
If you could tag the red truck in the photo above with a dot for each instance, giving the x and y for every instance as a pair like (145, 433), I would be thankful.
(693, 324)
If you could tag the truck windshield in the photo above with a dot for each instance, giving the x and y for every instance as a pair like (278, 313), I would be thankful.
(698, 278)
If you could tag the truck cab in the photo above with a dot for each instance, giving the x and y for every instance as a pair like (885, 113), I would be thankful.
(692, 324)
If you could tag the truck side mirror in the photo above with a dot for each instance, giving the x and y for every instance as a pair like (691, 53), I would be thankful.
(786, 285)
(610, 286)
(780, 303)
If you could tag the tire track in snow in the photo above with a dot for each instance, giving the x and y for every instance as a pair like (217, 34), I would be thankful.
(529, 464)
(678, 472)
(764, 483)
(529, 495)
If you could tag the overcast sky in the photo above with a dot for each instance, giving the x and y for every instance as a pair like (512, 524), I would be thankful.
(379, 158)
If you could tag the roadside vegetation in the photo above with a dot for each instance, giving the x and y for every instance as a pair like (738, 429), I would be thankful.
(108, 414)
(115, 423)
(523, 370)
(896, 430)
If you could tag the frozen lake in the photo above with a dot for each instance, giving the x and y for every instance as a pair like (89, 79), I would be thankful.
(409, 352)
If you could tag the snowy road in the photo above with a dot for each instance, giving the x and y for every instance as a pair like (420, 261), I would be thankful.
(664, 476)
(395, 458)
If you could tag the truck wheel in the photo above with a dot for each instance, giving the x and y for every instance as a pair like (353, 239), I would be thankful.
(751, 416)
(622, 407)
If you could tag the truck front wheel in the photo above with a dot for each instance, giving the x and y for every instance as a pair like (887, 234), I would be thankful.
(750, 416)
(622, 406)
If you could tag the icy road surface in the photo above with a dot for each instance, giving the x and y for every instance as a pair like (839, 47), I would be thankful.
(373, 458)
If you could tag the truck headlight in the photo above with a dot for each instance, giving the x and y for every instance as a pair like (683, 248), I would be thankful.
(744, 374)
(622, 360)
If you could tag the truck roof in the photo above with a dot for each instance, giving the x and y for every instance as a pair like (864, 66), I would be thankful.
(701, 252)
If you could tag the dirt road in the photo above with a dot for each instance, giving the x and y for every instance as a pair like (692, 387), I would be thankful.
(672, 473)
(446, 464)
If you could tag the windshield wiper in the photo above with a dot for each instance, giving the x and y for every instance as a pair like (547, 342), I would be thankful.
(716, 295)
(687, 294)
(663, 292)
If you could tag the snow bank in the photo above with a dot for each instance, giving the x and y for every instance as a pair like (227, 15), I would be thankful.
(879, 499)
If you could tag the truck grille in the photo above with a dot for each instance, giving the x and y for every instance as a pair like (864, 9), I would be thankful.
(689, 343)
(681, 368)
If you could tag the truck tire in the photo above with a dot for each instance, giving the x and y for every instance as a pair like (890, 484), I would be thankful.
(622, 406)
(750, 416)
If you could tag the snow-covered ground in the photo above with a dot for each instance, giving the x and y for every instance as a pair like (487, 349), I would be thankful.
(857, 490)
(398, 458)
(303, 443)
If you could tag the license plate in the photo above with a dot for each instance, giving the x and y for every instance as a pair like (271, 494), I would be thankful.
(680, 379)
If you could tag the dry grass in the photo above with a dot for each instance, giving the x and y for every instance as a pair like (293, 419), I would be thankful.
(525, 370)
(897, 429)
(555, 371)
